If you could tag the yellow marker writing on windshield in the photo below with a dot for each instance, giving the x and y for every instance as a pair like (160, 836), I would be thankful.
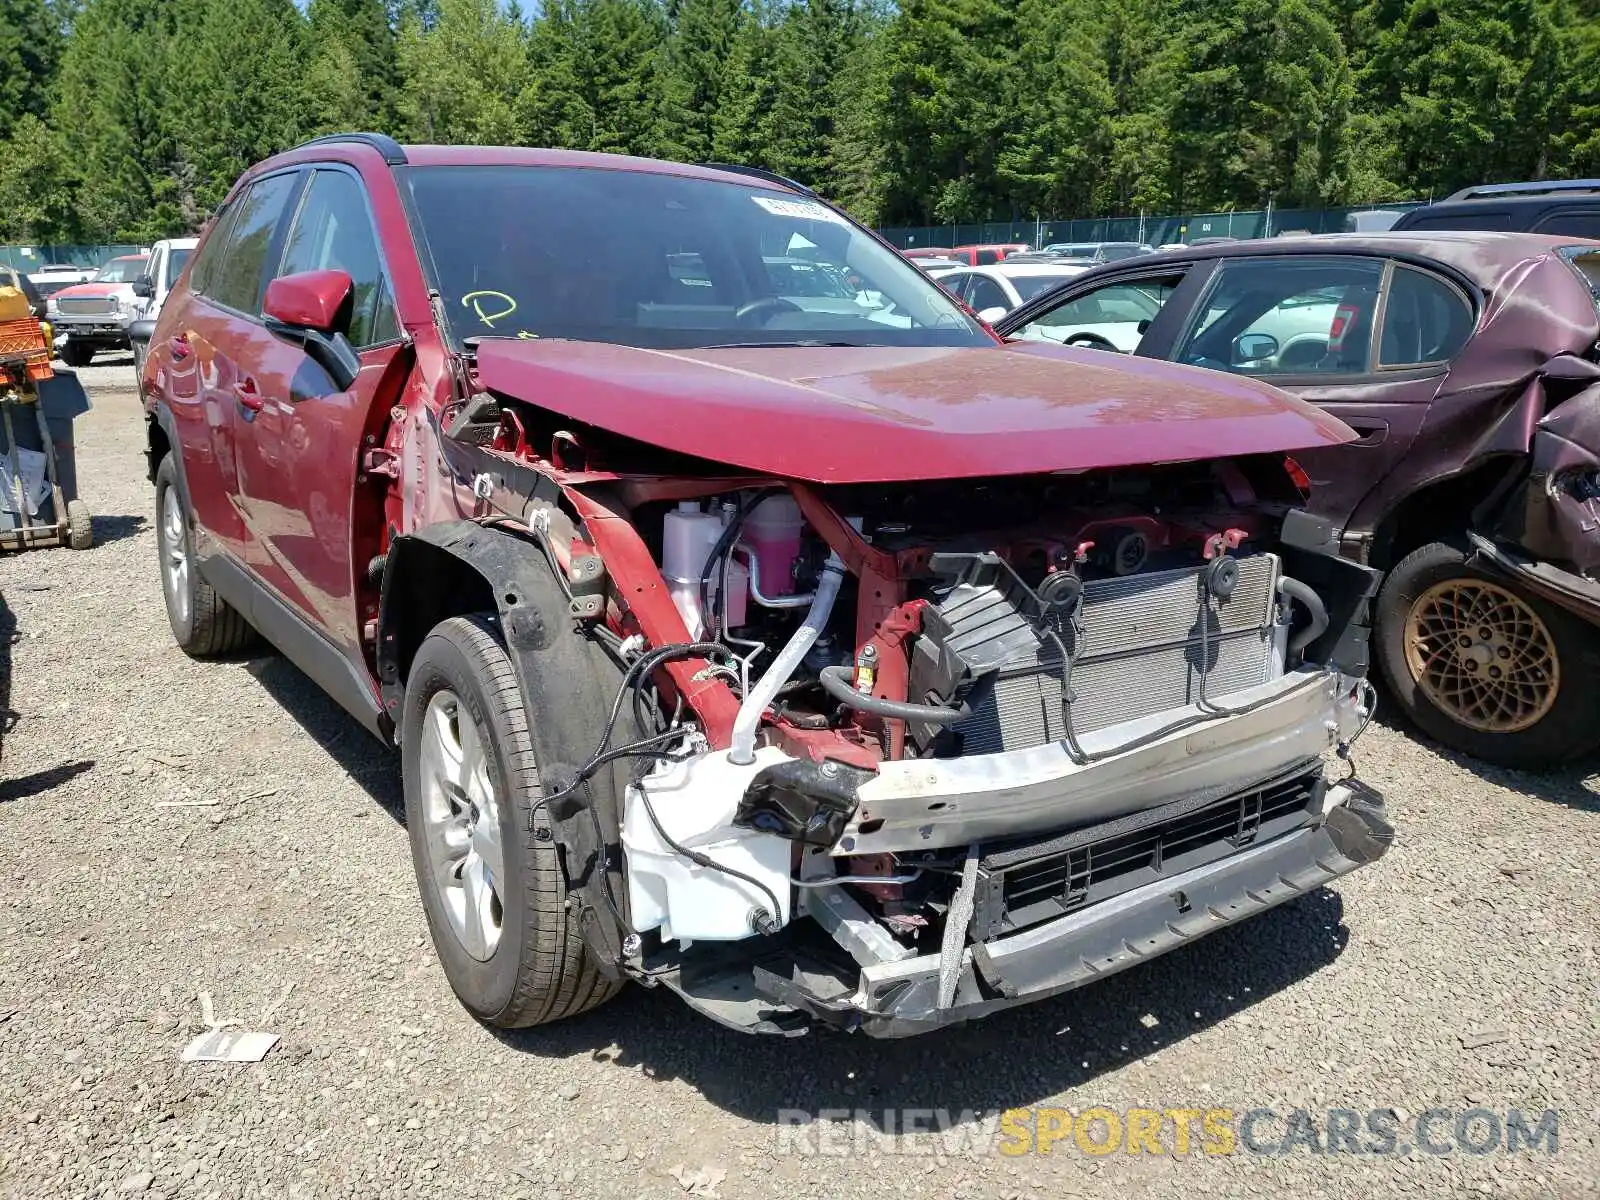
(475, 301)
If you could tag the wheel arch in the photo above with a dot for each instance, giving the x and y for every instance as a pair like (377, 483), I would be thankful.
(1440, 511)
(460, 567)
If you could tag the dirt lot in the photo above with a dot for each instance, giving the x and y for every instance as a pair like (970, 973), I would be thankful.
(171, 827)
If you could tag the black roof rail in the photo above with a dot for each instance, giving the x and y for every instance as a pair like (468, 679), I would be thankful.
(1534, 187)
(758, 173)
(393, 152)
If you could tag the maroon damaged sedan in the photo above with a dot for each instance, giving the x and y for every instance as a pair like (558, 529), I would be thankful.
(1467, 363)
(820, 662)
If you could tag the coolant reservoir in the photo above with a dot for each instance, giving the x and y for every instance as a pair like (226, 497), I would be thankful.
(773, 532)
(687, 540)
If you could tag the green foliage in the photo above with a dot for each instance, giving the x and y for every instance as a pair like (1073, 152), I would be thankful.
(30, 51)
(130, 119)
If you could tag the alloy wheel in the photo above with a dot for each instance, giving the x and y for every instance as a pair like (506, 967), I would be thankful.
(1482, 655)
(175, 552)
(461, 816)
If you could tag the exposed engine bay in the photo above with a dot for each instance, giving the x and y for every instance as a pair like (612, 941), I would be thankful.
(891, 743)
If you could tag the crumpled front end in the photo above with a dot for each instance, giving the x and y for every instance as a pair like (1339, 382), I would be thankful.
(977, 764)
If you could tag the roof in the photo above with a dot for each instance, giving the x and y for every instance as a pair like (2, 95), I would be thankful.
(1480, 257)
(1534, 187)
(355, 147)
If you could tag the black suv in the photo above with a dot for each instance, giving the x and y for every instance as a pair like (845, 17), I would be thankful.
(1560, 207)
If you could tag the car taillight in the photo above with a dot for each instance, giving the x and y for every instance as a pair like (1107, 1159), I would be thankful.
(1343, 317)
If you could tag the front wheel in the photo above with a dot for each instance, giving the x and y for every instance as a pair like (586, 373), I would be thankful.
(492, 886)
(1484, 667)
(76, 353)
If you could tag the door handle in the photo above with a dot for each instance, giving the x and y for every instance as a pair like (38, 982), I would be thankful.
(248, 397)
(179, 347)
(1373, 433)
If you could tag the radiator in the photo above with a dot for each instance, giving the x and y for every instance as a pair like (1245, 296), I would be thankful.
(1143, 650)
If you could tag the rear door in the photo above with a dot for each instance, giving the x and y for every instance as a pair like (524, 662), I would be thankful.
(298, 470)
(1368, 339)
(211, 355)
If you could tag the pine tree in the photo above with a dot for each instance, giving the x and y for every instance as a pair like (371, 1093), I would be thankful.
(742, 124)
(240, 64)
(115, 118)
(695, 59)
(1058, 142)
(463, 65)
(30, 52)
(948, 106)
(595, 82)
(352, 74)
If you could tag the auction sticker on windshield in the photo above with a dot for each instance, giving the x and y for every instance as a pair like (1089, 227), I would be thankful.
(802, 210)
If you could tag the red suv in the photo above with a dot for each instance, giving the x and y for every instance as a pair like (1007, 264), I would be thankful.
(819, 658)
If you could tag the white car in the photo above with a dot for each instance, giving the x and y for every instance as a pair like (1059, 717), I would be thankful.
(993, 291)
(52, 277)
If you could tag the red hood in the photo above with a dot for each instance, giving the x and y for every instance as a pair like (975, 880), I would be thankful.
(872, 414)
(89, 290)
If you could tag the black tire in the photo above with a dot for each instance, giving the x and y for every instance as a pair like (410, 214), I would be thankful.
(203, 623)
(80, 527)
(76, 354)
(538, 971)
(1568, 729)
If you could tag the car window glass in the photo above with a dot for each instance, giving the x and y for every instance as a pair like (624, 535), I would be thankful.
(987, 257)
(1571, 224)
(205, 270)
(986, 293)
(176, 259)
(1112, 316)
(1288, 316)
(1424, 320)
(333, 232)
(1029, 286)
(660, 260)
(239, 282)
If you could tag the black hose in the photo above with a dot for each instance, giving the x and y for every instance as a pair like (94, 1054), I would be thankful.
(711, 603)
(837, 683)
(1296, 590)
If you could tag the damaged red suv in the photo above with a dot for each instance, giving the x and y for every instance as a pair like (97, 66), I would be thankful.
(819, 658)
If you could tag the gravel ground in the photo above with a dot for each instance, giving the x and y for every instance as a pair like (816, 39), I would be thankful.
(1460, 971)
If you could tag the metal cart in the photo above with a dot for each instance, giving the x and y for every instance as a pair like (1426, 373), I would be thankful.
(40, 505)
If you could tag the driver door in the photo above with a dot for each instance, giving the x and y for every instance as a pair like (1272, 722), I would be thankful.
(298, 471)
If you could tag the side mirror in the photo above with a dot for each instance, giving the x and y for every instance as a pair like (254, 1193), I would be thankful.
(307, 309)
(992, 314)
(1253, 347)
(144, 287)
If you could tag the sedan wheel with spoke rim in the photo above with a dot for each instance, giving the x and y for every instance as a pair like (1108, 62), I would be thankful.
(1482, 655)
(1484, 666)
(462, 824)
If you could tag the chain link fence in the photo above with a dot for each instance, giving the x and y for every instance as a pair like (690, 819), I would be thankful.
(1151, 230)
(28, 259)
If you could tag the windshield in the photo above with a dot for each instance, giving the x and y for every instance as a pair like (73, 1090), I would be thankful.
(121, 270)
(176, 259)
(645, 259)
